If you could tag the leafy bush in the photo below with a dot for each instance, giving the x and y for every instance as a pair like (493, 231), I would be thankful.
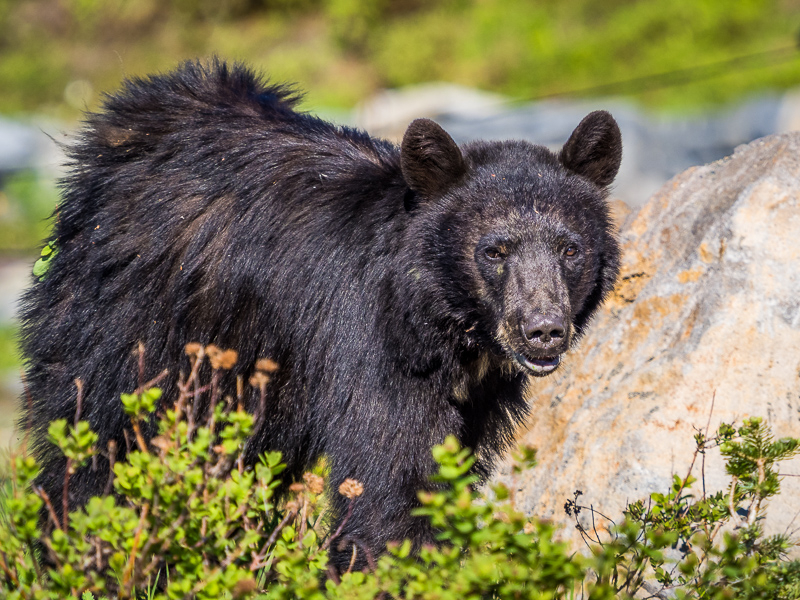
(744, 563)
(188, 519)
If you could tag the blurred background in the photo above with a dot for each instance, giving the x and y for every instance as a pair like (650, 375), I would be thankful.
(688, 80)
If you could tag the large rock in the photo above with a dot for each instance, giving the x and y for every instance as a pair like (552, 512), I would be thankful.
(708, 306)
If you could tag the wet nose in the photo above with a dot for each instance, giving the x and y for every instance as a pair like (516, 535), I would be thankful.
(543, 330)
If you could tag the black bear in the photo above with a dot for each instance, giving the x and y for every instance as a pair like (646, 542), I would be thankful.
(406, 293)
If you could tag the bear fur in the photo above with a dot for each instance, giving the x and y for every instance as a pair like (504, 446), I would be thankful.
(406, 293)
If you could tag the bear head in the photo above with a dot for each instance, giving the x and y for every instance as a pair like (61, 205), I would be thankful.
(516, 239)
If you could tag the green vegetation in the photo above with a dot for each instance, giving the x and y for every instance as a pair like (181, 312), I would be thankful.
(57, 56)
(9, 358)
(190, 521)
(27, 200)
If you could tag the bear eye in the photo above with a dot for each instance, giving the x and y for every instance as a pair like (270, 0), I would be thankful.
(571, 250)
(495, 254)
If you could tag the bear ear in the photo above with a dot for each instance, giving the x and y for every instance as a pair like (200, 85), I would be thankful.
(594, 150)
(430, 159)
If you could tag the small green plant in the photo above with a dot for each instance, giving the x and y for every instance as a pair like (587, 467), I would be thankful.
(188, 519)
(743, 564)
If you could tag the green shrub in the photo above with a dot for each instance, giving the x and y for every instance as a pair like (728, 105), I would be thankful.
(188, 519)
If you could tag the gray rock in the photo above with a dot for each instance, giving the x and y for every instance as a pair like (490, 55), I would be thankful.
(708, 308)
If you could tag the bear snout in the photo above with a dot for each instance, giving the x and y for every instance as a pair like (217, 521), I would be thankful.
(543, 338)
(545, 333)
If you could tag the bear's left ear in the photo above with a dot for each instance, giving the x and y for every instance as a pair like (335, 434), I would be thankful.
(430, 159)
(594, 150)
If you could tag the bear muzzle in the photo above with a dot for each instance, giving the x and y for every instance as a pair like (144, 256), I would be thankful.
(543, 331)
(545, 337)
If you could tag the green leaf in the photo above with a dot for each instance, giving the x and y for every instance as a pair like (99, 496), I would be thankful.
(42, 265)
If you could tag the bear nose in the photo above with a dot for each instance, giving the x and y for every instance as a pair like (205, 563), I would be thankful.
(543, 330)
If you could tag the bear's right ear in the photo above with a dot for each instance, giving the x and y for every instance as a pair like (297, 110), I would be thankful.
(430, 159)
(594, 150)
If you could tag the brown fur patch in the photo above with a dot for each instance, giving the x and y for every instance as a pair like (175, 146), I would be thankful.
(471, 375)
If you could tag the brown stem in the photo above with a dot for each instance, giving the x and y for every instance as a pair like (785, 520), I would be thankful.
(705, 437)
(46, 499)
(731, 506)
(141, 364)
(261, 411)
(112, 457)
(12, 575)
(65, 495)
(204, 521)
(137, 431)
(128, 577)
(195, 408)
(212, 405)
(186, 392)
(98, 554)
(258, 559)
(68, 471)
(365, 550)
(180, 407)
(262, 403)
(304, 518)
(353, 556)
(79, 401)
(152, 382)
(153, 537)
(332, 574)
(240, 392)
(762, 475)
(338, 531)
(688, 474)
(140, 390)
